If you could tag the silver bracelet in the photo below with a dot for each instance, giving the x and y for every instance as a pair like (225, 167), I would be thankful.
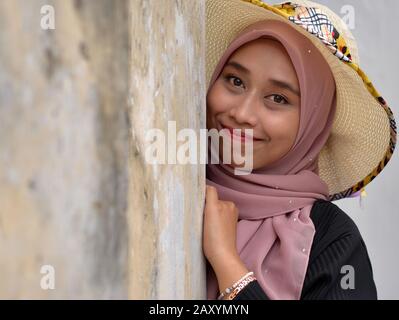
(230, 289)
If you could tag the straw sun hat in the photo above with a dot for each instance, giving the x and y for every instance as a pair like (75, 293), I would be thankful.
(363, 136)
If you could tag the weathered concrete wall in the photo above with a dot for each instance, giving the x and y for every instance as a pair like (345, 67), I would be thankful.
(75, 192)
(167, 84)
(64, 149)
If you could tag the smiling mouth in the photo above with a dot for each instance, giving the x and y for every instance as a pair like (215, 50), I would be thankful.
(243, 137)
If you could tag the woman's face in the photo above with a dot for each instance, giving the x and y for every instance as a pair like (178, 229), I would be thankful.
(257, 89)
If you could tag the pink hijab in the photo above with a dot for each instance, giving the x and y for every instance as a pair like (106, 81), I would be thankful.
(274, 231)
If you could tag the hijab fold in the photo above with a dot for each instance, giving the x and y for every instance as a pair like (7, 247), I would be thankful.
(274, 229)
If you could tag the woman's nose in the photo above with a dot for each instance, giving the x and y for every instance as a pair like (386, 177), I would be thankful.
(245, 111)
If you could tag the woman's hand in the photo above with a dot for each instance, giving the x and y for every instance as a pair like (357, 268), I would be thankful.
(220, 229)
(219, 239)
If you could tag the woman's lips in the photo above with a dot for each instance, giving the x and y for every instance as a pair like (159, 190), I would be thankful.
(243, 137)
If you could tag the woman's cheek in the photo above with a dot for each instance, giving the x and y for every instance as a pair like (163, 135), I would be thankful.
(285, 127)
(219, 98)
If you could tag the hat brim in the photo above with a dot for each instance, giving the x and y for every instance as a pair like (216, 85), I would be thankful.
(363, 136)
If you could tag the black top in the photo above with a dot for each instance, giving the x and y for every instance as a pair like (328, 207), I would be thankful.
(337, 243)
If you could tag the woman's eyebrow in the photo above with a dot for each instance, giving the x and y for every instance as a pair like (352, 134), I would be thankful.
(238, 66)
(285, 85)
(278, 83)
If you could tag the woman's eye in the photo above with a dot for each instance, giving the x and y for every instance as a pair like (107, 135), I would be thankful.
(278, 99)
(236, 81)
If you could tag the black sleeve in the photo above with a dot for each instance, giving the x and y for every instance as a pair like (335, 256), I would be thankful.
(339, 265)
(341, 272)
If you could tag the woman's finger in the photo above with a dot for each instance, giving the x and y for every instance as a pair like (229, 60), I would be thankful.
(211, 194)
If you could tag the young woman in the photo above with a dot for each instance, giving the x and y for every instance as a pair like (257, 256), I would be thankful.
(321, 132)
